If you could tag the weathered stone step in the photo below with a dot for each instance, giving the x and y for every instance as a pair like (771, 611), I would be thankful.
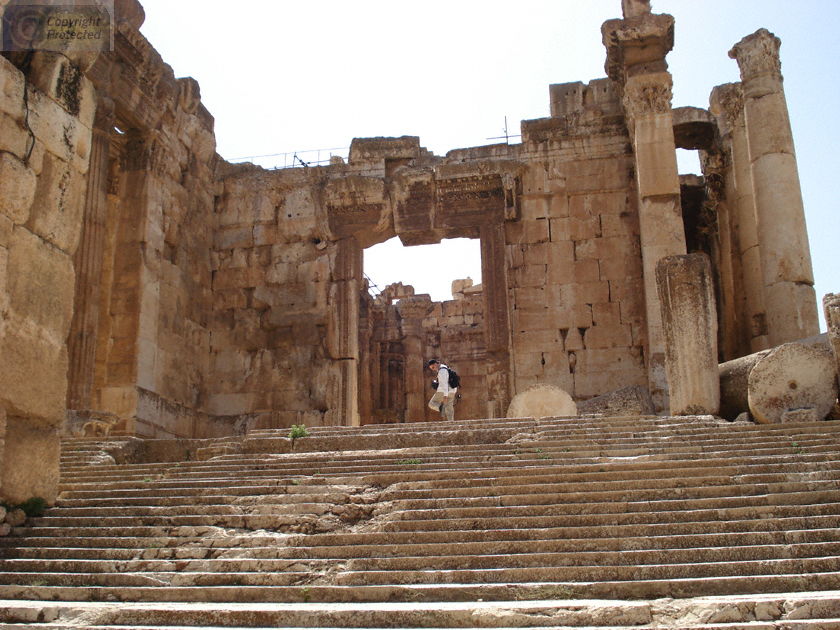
(755, 439)
(274, 548)
(309, 615)
(630, 499)
(582, 575)
(651, 467)
(565, 449)
(552, 516)
(722, 558)
(641, 473)
(213, 538)
(516, 588)
(527, 516)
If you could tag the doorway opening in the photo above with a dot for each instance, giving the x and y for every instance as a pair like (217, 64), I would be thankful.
(430, 269)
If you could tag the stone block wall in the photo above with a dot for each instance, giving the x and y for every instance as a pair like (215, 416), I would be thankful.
(578, 318)
(147, 236)
(46, 118)
(276, 291)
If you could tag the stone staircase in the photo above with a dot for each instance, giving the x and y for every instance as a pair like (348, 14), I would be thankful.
(579, 522)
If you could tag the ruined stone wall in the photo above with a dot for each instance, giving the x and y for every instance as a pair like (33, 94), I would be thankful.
(578, 304)
(152, 263)
(272, 305)
(46, 116)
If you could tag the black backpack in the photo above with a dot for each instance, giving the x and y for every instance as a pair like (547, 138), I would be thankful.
(454, 379)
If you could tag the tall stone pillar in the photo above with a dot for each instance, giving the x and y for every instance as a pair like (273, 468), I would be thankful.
(343, 330)
(689, 318)
(726, 102)
(496, 319)
(636, 50)
(84, 328)
(788, 278)
(412, 310)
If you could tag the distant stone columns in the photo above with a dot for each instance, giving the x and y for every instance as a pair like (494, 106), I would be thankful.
(636, 50)
(727, 104)
(88, 264)
(412, 310)
(788, 279)
(689, 322)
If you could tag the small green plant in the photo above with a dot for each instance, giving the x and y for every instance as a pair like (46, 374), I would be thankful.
(403, 462)
(517, 451)
(545, 456)
(296, 482)
(33, 506)
(539, 450)
(147, 479)
(305, 593)
(795, 446)
(298, 431)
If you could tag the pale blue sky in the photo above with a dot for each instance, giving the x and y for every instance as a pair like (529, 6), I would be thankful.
(284, 76)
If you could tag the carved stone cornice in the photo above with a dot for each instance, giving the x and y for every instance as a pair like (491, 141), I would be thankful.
(758, 54)
(649, 94)
(726, 102)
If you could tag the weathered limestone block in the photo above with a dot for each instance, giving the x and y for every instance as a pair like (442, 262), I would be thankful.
(542, 401)
(357, 206)
(627, 401)
(414, 200)
(17, 188)
(689, 322)
(57, 208)
(40, 284)
(831, 308)
(57, 76)
(61, 132)
(30, 460)
(793, 376)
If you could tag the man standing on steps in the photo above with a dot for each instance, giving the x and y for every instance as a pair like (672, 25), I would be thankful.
(444, 399)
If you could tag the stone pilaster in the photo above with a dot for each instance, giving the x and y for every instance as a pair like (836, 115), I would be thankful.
(494, 279)
(689, 318)
(343, 329)
(81, 342)
(726, 102)
(790, 300)
(636, 50)
(412, 310)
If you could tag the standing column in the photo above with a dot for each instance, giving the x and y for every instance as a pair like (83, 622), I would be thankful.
(687, 295)
(412, 310)
(343, 331)
(788, 278)
(726, 102)
(636, 50)
(84, 329)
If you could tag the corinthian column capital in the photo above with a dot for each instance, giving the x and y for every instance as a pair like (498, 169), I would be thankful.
(648, 94)
(757, 54)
